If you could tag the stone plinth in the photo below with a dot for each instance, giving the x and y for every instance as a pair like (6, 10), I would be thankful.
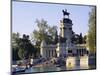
(84, 62)
(71, 62)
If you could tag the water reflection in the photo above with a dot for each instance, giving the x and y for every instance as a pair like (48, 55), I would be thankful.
(73, 63)
(52, 68)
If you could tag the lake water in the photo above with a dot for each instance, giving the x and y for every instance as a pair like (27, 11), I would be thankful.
(91, 65)
(53, 68)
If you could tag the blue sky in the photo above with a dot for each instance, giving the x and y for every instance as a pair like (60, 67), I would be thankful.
(24, 15)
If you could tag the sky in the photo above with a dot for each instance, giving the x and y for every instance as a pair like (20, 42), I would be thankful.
(24, 15)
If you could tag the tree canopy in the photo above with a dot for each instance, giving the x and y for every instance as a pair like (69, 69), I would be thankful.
(22, 47)
(92, 31)
(44, 32)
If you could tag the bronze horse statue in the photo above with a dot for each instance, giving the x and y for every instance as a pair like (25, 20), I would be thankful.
(65, 12)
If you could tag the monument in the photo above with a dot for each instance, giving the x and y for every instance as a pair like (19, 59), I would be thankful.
(65, 45)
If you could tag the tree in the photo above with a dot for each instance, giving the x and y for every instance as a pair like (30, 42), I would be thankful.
(22, 47)
(80, 38)
(15, 37)
(92, 31)
(15, 54)
(26, 49)
(84, 39)
(21, 53)
(43, 32)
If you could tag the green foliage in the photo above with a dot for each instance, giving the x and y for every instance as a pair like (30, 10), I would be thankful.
(15, 53)
(22, 47)
(84, 39)
(92, 31)
(37, 51)
(26, 49)
(80, 38)
(21, 53)
(15, 37)
(43, 32)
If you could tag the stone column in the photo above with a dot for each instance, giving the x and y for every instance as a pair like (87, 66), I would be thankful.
(50, 53)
